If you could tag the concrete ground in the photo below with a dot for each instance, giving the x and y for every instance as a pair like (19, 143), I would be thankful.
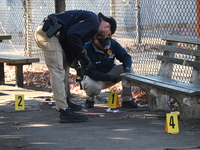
(37, 127)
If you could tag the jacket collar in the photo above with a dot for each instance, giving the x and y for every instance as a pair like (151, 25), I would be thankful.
(97, 49)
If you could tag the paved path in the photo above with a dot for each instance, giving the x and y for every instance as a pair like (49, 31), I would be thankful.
(37, 128)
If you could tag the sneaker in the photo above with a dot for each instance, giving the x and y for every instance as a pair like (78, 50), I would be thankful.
(73, 106)
(129, 104)
(89, 104)
(67, 116)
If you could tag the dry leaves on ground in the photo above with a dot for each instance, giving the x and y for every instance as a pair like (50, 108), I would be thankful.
(40, 77)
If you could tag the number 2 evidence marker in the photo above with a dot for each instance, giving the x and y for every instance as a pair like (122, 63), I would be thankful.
(19, 102)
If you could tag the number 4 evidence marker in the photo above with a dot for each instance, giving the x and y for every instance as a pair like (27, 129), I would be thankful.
(19, 102)
(171, 125)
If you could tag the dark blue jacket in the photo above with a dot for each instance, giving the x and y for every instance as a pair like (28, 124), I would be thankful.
(78, 27)
(103, 61)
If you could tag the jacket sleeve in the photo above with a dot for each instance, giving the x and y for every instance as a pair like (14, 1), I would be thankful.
(122, 55)
(96, 75)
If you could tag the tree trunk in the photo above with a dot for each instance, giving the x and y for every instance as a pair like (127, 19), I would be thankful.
(59, 6)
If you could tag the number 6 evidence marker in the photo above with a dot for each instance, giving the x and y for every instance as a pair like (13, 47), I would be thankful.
(19, 102)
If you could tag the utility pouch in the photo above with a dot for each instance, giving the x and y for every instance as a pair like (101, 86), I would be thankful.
(47, 24)
(54, 28)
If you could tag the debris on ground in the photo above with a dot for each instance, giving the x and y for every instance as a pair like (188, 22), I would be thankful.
(112, 111)
(126, 116)
(139, 96)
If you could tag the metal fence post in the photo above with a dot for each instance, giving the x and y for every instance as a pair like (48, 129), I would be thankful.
(112, 9)
(28, 27)
(198, 19)
(60, 6)
(137, 11)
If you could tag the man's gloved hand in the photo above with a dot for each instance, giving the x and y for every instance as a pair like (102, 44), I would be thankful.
(75, 64)
(114, 78)
(85, 59)
(79, 75)
(127, 70)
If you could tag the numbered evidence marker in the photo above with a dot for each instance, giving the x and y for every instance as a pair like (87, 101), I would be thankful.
(113, 100)
(19, 102)
(171, 125)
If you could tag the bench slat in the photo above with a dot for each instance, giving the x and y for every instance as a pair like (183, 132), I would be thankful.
(180, 84)
(179, 61)
(164, 83)
(169, 81)
(176, 38)
(13, 59)
(179, 50)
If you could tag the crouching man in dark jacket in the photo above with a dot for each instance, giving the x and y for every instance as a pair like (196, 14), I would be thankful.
(104, 72)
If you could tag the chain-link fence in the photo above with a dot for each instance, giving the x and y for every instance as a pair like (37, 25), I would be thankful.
(141, 24)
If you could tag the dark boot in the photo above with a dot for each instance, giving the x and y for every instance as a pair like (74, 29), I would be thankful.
(89, 104)
(67, 116)
(73, 106)
(129, 104)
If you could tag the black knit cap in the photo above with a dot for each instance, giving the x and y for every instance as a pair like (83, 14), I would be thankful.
(110, 20)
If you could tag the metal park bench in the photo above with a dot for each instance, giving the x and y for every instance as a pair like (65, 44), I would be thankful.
(18, 62)
(14, 60)
(187, 95)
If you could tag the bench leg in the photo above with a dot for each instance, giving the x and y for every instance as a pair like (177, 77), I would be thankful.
(2, 80)
(19, 75)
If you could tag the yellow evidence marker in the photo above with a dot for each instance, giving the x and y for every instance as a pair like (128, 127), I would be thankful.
(171, 125)
(19, 102)
(113, 100)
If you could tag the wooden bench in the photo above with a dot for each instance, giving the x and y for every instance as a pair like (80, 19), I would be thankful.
(18, 62)
(158, 87)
